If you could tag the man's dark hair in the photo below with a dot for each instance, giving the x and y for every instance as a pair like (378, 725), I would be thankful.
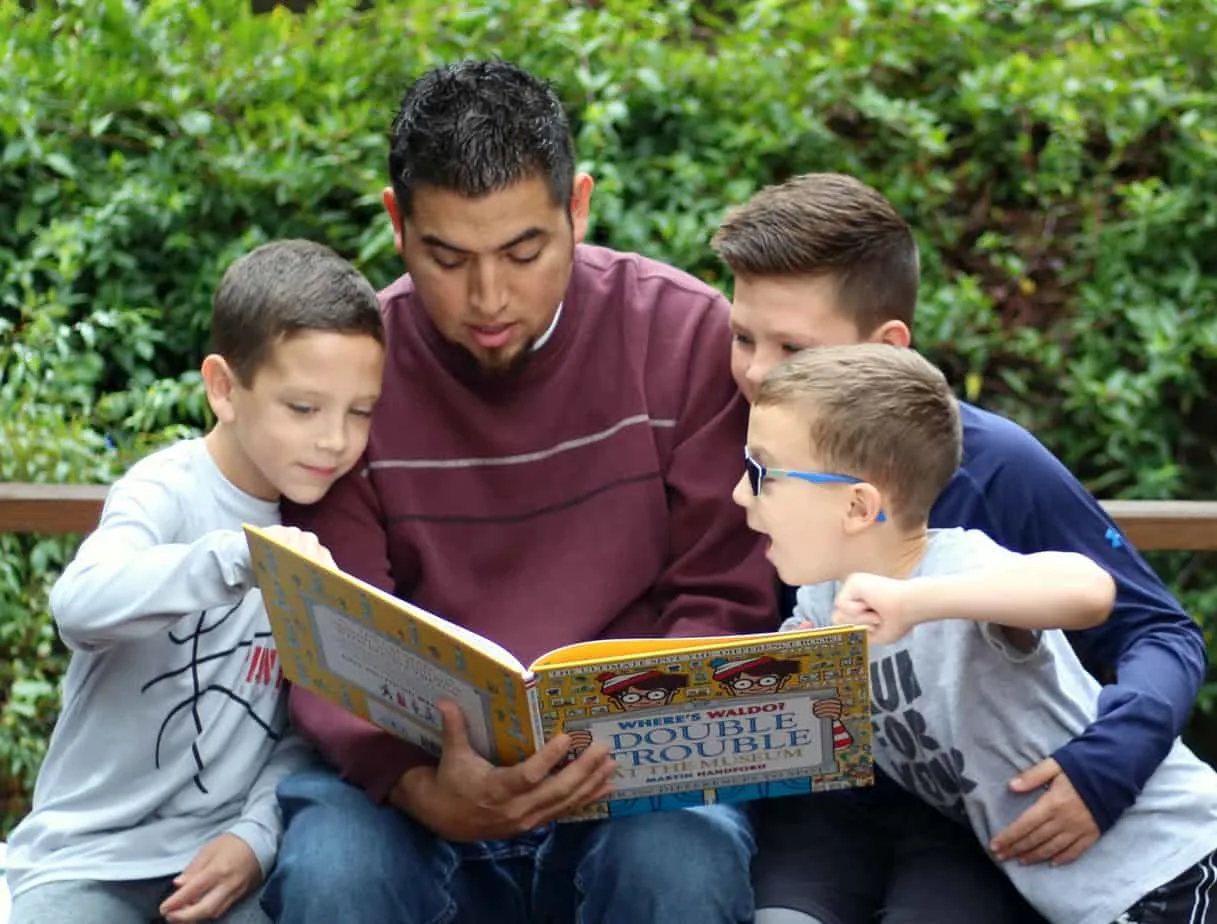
(476, 127)
(282, 289)
(833, 225)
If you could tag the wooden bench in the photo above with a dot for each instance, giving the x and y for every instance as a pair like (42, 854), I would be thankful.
(1150, 525)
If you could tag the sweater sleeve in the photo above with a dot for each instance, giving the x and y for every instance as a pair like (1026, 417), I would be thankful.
(348, 521)
(129, 580)
(1155, 650)
(261, 823)
(716, 579)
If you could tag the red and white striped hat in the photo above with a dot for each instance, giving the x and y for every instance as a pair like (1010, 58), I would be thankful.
(611, 684)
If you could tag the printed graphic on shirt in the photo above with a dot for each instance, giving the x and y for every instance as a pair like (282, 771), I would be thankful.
(914, 757)
(197, 667)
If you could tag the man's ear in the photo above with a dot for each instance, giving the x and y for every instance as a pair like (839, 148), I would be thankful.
(894, 333)
(865, 505)
(220, 382)
(399, 238)
(580, 204)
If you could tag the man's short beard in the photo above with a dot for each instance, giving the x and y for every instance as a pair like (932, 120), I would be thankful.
(512, 367)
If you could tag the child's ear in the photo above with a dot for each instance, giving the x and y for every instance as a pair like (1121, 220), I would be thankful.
(220, 382)
(865, 507)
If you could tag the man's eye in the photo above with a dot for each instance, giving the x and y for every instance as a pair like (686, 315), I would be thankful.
(523, 258)
(447, 262)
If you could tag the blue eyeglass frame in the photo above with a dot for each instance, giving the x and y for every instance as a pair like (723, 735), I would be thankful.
(757, 474)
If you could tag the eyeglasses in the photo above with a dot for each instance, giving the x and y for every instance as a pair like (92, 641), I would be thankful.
(757, 474)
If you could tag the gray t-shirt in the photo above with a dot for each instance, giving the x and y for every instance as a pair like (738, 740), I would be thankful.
(173, 727)
(958, 711)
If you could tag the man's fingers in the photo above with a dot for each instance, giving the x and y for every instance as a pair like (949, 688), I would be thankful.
(565, 792)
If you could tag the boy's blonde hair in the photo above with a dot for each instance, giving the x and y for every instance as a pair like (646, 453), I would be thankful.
(878, 412)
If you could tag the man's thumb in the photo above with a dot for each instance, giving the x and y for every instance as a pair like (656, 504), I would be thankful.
(1036, 777)
(456, 733)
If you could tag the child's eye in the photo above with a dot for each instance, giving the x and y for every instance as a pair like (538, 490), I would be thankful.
(361, 411)
(301, 408)
(741, 339)
(791, 348)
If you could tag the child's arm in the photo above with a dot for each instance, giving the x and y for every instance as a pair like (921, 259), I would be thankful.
(1046, 590)
(131, 579)
(260, 824)
(227, 868)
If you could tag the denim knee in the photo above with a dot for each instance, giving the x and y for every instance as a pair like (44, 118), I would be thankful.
(345, 858)
(690, 864)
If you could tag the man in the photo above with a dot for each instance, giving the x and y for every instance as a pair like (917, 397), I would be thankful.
(824, 260)
(551, 461)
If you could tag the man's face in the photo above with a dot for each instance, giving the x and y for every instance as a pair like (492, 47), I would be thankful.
(775, 317)
(303, 421)
(491, 271)
(804, 521)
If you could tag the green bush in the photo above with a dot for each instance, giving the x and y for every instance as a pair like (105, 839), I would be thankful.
(1059, 161)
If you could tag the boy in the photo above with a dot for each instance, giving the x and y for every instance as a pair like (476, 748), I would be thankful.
(157, 796)
(822, 260)
(970, 678)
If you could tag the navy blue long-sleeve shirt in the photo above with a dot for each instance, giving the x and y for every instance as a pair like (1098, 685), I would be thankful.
(1014, 489)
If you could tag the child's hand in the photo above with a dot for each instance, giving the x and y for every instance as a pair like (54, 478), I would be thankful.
(875, 602)
(303, 542)
(1058, 828)
(220, 874)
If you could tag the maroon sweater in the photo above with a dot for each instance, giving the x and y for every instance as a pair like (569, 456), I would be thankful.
(588, 497)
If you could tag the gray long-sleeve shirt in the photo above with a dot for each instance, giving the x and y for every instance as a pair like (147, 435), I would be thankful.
(173, 728)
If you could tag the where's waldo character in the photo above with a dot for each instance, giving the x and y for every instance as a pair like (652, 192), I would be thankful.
(763, 674)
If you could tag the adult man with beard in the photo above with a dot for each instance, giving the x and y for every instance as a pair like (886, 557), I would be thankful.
(551, 462)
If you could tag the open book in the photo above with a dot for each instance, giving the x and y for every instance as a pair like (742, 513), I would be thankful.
(690, 721)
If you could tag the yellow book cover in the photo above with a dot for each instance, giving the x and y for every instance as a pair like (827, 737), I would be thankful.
(691, 721)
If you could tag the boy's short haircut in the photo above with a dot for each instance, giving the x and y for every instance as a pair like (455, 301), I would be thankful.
(477, 127)
(282, 289)
(828, 224)
(878, 412)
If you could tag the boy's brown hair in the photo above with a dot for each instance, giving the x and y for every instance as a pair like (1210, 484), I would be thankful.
(828, 224)
(282, 289)
(878, 412)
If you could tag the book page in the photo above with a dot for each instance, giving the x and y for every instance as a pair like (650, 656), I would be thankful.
(388, 661)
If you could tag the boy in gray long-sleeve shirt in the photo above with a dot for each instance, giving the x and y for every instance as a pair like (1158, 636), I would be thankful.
(157, 796)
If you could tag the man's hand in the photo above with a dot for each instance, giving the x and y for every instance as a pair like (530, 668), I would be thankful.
(875, 602)
(466, 798)
(303, 542)
(220, 874)
(1058, 828)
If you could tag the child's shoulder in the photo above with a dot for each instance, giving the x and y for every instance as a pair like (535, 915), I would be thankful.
(178, 467)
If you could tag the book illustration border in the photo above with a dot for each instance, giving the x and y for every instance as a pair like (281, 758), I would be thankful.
(365, 649)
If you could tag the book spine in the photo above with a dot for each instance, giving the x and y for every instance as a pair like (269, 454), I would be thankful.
(534, 712)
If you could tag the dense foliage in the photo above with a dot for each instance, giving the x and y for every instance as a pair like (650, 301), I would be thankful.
(1058, 159)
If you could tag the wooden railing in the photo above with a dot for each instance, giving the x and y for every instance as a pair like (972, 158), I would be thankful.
(1149, 525)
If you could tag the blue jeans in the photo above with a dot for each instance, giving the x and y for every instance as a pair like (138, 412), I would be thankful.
(344, 858)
